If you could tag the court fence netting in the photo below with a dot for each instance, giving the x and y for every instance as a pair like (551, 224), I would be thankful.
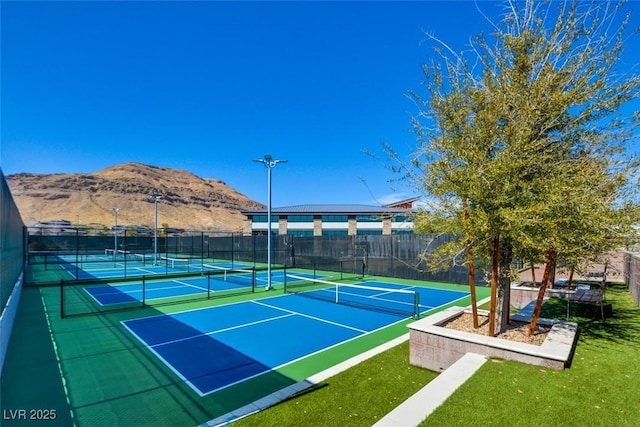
(51, 254)
(13, 244)
(86, 297)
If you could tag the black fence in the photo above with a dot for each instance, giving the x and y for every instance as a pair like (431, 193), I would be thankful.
(389, 255)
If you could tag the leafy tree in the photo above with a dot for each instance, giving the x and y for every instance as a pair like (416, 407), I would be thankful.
(522, 143)
(97, 230)
(131, 230)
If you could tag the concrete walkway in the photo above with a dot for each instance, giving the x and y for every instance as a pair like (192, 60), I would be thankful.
(419, 406)
(526, 312)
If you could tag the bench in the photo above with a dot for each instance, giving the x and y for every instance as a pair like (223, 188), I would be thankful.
(587, 296)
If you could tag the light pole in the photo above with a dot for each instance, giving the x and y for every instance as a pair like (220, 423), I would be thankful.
(269, 163)
(115, 232)
(156, 198)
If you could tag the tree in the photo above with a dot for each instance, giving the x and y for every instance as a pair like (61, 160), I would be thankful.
(131, 230)
(525, 129)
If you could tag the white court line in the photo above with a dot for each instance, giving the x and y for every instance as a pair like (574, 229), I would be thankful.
(147, 290)
(217, 331)
(311, 317)
(189, 284)
(289, 313)
(118, 289)
(145, 271)
(375, 297)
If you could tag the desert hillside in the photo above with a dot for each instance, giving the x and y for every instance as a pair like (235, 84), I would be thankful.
(189, 201)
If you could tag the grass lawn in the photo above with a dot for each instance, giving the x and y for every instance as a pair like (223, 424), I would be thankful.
(601, 388)
(359, 396)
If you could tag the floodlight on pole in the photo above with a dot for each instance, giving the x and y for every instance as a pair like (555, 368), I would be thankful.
(115, 232)
(269, 163)
(156, 198)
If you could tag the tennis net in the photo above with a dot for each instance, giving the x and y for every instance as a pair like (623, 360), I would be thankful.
(238, 276)
(176, 262)
(142, 258)
(115, 253)
(403, 302)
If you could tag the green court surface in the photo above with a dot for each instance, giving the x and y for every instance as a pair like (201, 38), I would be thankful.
(91, 371)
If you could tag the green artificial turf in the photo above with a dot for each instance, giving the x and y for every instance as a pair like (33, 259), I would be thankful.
(601, 387)
(359, 396)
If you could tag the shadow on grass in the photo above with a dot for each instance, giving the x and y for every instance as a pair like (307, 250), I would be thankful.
(620, 326)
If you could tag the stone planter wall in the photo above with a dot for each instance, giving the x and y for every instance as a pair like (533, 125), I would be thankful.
(436, 348)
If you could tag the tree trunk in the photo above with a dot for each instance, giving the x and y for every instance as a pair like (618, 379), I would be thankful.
(570, 282)
(470, 267)
(533, 275)
(551, 258)
(495, 271)
(472, 286)
(504, 285)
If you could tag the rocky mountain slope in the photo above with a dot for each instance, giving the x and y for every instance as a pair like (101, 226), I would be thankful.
(188, 200)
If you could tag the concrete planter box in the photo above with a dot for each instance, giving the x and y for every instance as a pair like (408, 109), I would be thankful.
(436, 348)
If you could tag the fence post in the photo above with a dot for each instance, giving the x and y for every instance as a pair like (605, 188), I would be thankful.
(126, 245)
(284, 281)
(77, 253)
(253, 279)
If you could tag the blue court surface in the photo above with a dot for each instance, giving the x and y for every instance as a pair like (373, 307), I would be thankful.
(217, 347)
(106, 269)
(105, 295)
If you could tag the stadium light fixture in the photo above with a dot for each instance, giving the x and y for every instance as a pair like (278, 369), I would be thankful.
(115, 232)
(156, 198)
(269, 163)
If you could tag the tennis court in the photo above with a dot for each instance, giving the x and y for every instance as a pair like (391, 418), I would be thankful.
(216, 347)
(92, 267)
(204, 359)
(226, 278)
(182, 356)
(199, 336)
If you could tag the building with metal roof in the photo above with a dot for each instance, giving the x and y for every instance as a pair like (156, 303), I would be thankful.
(333, 219)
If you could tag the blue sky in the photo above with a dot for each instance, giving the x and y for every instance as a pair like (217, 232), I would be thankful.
(209, 86)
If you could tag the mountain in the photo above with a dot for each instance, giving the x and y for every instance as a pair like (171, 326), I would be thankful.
(188, 200)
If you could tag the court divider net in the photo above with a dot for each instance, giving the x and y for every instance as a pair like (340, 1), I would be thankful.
(403, 302)
(85, 297)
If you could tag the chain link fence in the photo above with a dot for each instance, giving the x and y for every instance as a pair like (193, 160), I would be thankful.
(385, 255)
